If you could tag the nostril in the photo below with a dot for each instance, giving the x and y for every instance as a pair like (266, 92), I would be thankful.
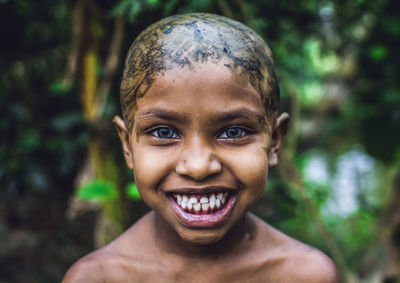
(199, 169)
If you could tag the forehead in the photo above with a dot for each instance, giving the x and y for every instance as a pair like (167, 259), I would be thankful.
(208, 86)
(186, 41)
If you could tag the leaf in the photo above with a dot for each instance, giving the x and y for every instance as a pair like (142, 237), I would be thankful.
(132, 191)
(57, 88)
(378, 52)
(130, 8)
(97, 190)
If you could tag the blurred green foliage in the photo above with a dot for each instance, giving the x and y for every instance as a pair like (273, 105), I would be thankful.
(337, 62)
(132, 191)
(98, 191)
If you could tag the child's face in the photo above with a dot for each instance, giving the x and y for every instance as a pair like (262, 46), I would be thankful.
(197, 134)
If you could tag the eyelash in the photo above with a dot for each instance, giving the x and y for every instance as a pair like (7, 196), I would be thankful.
(174, 135)
(243, 132)
(155, 132)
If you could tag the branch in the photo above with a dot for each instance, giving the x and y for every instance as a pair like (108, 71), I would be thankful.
(110, 65)
(225, 9)
(245, 13)
(290, 173)
(76, 42)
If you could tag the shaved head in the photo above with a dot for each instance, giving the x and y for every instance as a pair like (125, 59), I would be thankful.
(184, 41)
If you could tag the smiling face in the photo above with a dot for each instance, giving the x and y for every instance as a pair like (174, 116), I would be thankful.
(200, 149)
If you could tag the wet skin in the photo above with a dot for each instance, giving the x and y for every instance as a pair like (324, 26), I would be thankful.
(199, 98)
(193, 131)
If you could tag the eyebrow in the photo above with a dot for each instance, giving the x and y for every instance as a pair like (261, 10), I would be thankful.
(220, 117)
(240, 113)
(162, 114)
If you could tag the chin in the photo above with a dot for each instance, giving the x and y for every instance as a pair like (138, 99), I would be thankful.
(202, 237)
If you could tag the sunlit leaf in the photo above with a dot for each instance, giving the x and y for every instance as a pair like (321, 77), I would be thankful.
(97, 190)
(312, 93)
(132, 191)
(323, 63)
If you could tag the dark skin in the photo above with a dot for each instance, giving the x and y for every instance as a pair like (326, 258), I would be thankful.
(200, 131)
(184, 41)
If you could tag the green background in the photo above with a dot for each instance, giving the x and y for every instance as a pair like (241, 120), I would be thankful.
(64, 187)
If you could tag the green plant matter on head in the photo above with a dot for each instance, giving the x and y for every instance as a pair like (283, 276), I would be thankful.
(184, 41)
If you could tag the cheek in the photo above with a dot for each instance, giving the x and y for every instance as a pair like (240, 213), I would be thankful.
(251, 168)
(254, 179)
(150, 167)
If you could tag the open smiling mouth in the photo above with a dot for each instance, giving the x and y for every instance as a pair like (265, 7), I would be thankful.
(202, 209)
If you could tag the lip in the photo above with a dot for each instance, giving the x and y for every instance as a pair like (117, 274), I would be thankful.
(203, 190)
(202, 220)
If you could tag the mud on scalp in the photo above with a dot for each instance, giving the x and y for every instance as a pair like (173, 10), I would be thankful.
(183, 41)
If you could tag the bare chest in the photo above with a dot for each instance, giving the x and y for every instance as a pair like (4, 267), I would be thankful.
(211, 272)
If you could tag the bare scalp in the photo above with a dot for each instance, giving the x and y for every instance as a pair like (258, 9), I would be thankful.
(184, 41)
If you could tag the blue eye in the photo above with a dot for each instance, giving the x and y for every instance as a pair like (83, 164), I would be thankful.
(165, 133)
(233, 133)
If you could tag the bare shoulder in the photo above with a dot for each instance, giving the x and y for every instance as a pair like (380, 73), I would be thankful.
(311, 265)
(90, 268)
(119, 261)
(306, 264)
(292, 261)
(100, 266)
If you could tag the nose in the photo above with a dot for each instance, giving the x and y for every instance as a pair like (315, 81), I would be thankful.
(198, 161)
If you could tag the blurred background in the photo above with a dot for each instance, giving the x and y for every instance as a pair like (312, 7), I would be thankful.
(65, 189)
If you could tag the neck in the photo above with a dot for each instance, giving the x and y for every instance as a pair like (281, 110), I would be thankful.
(237, 238)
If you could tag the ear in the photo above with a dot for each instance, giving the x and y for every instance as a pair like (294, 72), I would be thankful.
(278, 135)
(124, 137)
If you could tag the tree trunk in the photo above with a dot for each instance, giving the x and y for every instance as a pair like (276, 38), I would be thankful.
(87, 30)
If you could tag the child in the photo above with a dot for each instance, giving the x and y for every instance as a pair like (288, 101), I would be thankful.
(200, 129)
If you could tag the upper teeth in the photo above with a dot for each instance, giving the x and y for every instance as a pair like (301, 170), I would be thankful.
(200, 203)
